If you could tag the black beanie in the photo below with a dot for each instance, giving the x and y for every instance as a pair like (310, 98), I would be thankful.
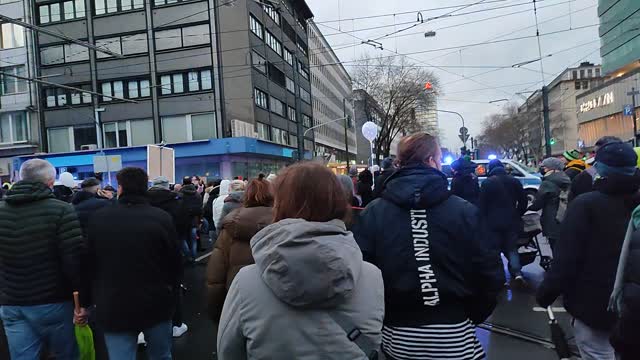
(617, 155)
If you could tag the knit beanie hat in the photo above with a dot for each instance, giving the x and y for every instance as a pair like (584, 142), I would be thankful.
(161, 182)
(573, 155)
(619, 158)
(553, 164)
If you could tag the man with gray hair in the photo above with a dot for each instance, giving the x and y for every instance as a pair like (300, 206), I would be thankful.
(41, 249)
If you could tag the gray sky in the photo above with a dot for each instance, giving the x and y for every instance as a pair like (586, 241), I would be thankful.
(465, 89)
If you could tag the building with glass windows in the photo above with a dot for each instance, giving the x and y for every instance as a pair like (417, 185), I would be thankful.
(189, 72)
(619, 35)
(19, 131)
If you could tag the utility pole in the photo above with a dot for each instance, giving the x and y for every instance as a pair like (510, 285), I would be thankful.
(346, 130)
(545, 121)
(633, 94)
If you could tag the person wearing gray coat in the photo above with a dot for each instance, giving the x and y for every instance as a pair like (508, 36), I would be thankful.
(309, 287)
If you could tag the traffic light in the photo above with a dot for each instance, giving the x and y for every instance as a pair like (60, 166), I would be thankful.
(428, 86)
(552, 141)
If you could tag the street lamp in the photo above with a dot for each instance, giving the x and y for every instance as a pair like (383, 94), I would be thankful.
(304, 135)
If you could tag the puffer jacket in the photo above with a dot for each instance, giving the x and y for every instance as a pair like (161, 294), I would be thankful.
(41, 247)
(284, 306)
(574, 168)
(232, 202)
(548, 200)
(435, 237)
(232, 252)
(218, 203)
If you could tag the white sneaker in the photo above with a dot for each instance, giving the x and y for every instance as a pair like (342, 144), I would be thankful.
(180, 330)
(141, 340)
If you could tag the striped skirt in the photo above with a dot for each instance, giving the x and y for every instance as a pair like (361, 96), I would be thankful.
(432, 342)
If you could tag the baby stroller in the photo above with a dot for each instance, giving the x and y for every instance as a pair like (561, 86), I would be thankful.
(528, 245)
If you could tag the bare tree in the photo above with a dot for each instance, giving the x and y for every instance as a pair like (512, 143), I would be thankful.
(398, 87)
(510, 133)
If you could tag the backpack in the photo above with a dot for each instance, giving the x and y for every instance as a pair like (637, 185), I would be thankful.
(563, 203)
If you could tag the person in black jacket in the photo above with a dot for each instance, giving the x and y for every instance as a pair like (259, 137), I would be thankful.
(554, 183)
(583, 182)
(586, 258)
(387, 170)
(438, 277)
(465, 182)
(192, 203)
(161, 197)
(86, 202)
(502, 203)
(136, 269)
(364, 187)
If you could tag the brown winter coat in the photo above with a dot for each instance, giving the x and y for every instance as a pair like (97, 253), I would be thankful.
(232, 252)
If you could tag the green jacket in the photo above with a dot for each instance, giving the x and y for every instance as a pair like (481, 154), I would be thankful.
(41, 247)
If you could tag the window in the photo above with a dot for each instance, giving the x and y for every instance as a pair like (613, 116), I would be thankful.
(261, 98)
(165, 2)
(112, 88)
(128, 133)
(308, 144)
(291, 86)
(273, 43)
(575, 74)
(191, 81)
(288, 57)
(585, 84)
(84, 135)
(279, 136)
(60, 139)
(125, 45)
(182, 128)
(11, 36)
(115, 134)
(259, 62)
(141, 132)
(301, 45)
(277, 76)
(58, 97)
(66, 53)
(11, 85)
(597, 72)
(277, 107)
(304, 95)
(138, 88)
(577, 85)
(291, 113)
(113, 6)
(263, 131)
(256, 27)
(182, 37)
(581, 74)
(590, 73)
(14, 127)
(60, 11)
(306, 120)
(302, 69)
(293, 140)
(272, 12)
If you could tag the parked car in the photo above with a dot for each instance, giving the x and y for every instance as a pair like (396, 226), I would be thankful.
(530, 180)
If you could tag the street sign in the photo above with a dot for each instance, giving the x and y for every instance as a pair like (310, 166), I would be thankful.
(464, 131)
(161, 162)
(107, 163)
(628, 110)
(464, 137)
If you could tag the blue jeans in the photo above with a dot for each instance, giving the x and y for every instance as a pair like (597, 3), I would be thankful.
(28, 328)
(124, 345)
(507, 243)
(189, 244)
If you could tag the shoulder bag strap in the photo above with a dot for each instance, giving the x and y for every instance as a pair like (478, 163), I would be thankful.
(354, 334)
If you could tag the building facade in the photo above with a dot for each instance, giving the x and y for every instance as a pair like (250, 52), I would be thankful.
(619, 35)
(189, 71)
(563, 120)
(427, 118)
(19, 128)
(331, 89)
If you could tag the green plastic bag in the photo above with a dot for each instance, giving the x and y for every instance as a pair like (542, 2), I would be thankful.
(84, 336)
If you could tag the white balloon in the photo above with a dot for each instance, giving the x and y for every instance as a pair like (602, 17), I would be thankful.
(66, 179)
(370, 130)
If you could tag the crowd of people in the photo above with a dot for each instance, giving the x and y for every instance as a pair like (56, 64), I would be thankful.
(396, 262)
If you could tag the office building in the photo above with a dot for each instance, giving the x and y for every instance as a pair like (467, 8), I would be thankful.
(19, 130)
(619, 36)
(196, 75)
(331, 89)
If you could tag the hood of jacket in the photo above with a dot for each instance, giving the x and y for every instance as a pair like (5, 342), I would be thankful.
(246, 222)
(224, 187)
(236, 196)
(24, 192)
(559, 178)
(158, 196)
(189, 190)
(308, 264)
(417, 187)
(81, 196)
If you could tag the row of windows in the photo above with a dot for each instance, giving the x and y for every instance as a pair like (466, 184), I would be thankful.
(192, 81)
(304, 95)
(176, 129)
(274, 104)
(14, 127)
(275, 74)
(273, 13)
(134, 89)
(11, 36)
(589, 73)
(276, 135)
(113, 6)
(58, 97)
(127, 44)
(276, 45)
(11, 85)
